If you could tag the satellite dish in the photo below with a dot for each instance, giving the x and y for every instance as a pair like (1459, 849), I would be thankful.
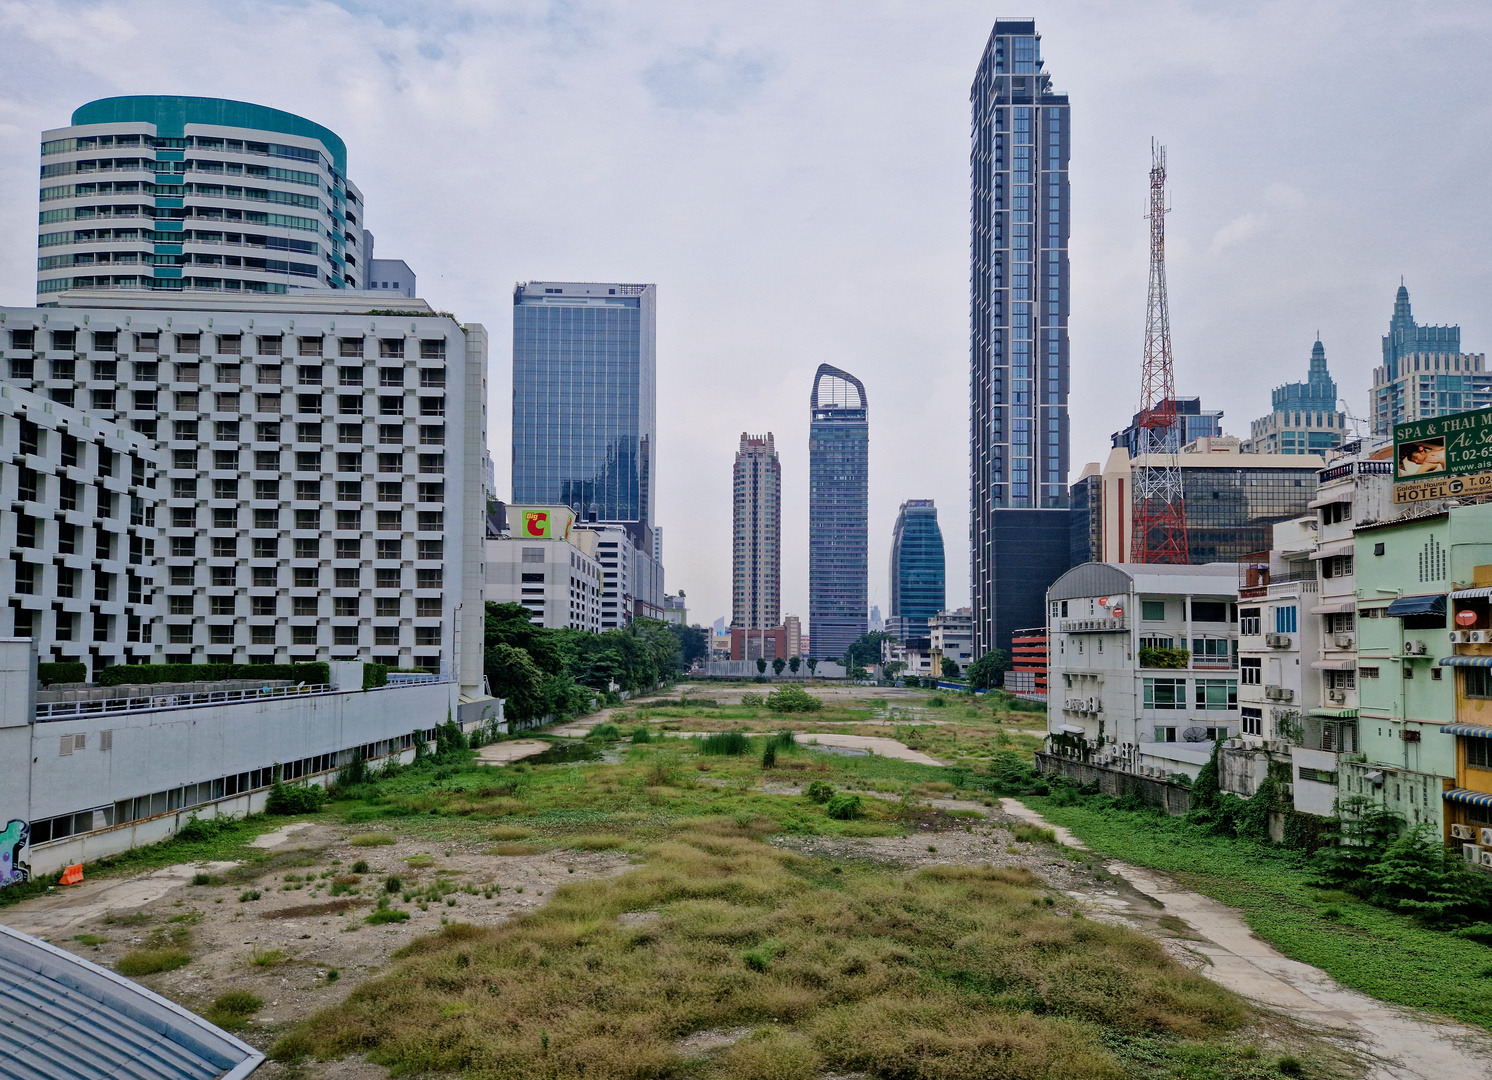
(1195, 734)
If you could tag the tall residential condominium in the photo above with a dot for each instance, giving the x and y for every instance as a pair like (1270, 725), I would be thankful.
(585, 416)
(320, 477)
(180, 193)
(838, 503)
(1304, 418)
(917, 583)
(756, 589)
(1425, 373)
(1018, 353)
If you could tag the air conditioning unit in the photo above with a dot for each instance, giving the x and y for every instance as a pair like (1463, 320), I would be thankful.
(1095, 704)
(1486, 837)
(1279, 693)
(1337, 697)
(1472, 853)
(1277, 641)
(1463, 832)
(1486, 857)
(1479, 637)
(1458, 637)
(1344, 641)
(1414, 648)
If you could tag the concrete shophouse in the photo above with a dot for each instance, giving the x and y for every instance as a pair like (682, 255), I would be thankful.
(78, 509)
(1143, 662)
(1406, 570)
(1468, 804)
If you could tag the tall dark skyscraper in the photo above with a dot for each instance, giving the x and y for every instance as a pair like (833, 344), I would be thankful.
(917, 582)
(1018, 334)
(584, 400)
(838, 504)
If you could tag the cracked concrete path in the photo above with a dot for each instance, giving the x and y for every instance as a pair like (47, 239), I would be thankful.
(1401, 1044)
(66, 907)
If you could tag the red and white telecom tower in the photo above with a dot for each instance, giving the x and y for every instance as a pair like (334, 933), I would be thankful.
(1159, 510)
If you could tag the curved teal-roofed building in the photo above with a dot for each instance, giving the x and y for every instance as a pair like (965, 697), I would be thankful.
(172, 193)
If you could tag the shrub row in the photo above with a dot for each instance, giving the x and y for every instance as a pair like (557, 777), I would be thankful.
(61, 671)
(129, 674)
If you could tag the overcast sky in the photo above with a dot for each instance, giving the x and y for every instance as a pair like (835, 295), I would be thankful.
(794, 177)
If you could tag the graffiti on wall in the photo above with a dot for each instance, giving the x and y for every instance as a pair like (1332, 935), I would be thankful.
(12, 840)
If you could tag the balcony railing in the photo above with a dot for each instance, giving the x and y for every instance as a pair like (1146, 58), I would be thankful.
(1070, 626)
(67, 710)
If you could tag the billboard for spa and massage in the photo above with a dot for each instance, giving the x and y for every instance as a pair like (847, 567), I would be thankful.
(1443, 457)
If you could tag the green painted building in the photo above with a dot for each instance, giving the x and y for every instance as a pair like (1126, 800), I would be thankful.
(1405, 570)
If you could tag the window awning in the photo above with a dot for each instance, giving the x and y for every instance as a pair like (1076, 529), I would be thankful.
(1465, 661)
(1333, 714)
(1476, 731)
(1431, 604)
(1470, 594)
(1466, 795)
(1334, 665)
(1073, 729)
(1335, 608)
(1336, 547)
(1341, 495)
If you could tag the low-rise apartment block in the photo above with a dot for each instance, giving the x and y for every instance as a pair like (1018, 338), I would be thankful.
(1143, 665)
(542, 561)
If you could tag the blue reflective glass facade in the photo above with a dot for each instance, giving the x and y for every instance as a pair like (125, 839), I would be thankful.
(838, 505)
(918, 589)
(584, 398)
(1019, 227)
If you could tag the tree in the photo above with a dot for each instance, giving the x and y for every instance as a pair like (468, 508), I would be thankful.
(949, 667)
(791, 699)
(794, 663)
(692, 644)
(761, 666)
(813, 664)
(892, 668)
(1360, 835)
(989, 670)
(865, 651)
(513, 676)
(778, 665)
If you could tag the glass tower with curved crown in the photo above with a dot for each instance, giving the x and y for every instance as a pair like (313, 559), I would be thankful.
(838, 504)
(1019, 204)
(917, 583)
(196, 193)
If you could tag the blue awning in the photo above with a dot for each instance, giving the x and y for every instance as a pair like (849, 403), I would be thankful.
(1466, 795)
(1465, 661)
(1474, 730)
(1433, 604)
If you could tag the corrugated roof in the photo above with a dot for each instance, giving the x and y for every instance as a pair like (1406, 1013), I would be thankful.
(1100, 579)
(68, 1019)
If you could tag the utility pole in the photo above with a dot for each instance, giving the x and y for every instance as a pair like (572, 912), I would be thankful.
(1159, 510)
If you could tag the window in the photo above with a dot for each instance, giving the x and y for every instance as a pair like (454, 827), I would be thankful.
(349, 346)
(1250, 671)
(390, 405)
(427, 635)
(310, 346)
(432, 435)
(427, 607)
(344, 635)
(345, 607)
(266, 577)
(1285, 619)
(348, 548)
(427, 579)
(433, 378)
(1215, 611)
(303, 607)
(432, 406)
(1337, 566)
(1165, 734)
(1320, 776)
(390, 434)
(1334, 513)
(1249, 624)
(303, 635)
(304, 577)
(1367, 673)
(346, 577)
(1212, 649)
(349, 491)
(263, 635)
(350, 376)
(386, 635)
(1253, 721)
(433, 350)
(1477, 682)
(386, 578)
(389, 549)
(430, 549)
(391, 376)
(1159, 693)
(1341, 680)
(1152, 610)
(390, 520)
(391, 348)
(390, 491)
(266, 547)
(307, 547)
(263, 489)
(1216, 694)
(1478, 752)
(349, 433)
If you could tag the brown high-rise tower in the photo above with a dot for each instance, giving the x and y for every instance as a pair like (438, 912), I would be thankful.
(757, 561)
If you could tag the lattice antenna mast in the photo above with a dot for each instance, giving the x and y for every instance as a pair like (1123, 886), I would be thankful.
(1159, 504)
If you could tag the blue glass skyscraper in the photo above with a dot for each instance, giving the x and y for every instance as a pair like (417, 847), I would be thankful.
(1018, 352)
(838, 504)
(917, 582)
(1424, 373)
(584, 400)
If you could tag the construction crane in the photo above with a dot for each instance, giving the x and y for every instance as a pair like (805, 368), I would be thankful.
(1159, 510)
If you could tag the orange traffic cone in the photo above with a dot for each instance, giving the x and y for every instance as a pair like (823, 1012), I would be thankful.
(73, 874)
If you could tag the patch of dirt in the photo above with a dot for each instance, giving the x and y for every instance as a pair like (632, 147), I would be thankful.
(325, 934)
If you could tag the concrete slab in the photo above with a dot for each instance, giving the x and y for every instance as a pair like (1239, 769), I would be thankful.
(503, 752)
(53, 915)
(279, 836)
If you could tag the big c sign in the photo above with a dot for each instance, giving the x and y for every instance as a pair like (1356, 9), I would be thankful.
(537, 523)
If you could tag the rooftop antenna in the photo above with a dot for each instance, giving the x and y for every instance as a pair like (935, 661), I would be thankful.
(1159, 511)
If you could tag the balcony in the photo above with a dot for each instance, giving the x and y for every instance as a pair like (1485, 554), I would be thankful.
(1088, 626)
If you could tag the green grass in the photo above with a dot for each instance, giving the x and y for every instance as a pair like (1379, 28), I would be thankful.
(946, 974)
(150, 961)
(1383, 954)
(231, 1011)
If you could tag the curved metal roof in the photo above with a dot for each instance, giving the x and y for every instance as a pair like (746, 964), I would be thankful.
(66, 1018)
(845, 392)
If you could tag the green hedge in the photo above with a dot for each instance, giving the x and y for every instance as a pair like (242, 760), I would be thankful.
(375, 675)
(61, 671)
(129, 674)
